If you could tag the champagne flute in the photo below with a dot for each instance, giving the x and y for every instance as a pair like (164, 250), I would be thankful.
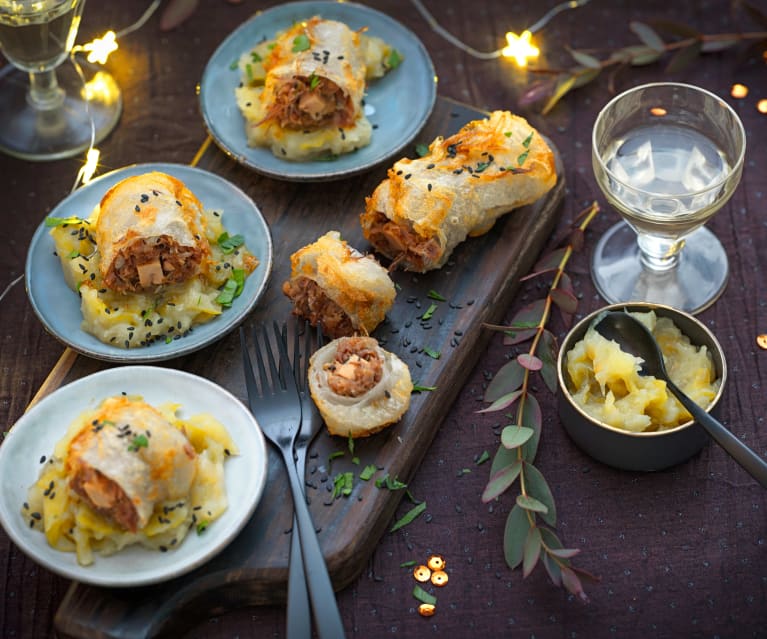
(667, 156)
(47, 110)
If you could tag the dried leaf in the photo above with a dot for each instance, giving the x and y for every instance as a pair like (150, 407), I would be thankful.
(534, 274)
(532, 418)
(585, 59)
(552, 567)
(176, 12)
(573, 584)
(501, 481)
(531, 504)
(530, 316)
(566, 301)
(551, 261)
(530, 362)
(565, 553)
(710, 46)
(532, 551)
(648, 35)
(584, 76)
(514, 536)
(538, 488)
(502, 402)
(676, 28)
(517, 337)
(547, 351)
(684, 57)
(640, 55)
(577, 239)
(563, 86)
(515, 436)
(508, 379)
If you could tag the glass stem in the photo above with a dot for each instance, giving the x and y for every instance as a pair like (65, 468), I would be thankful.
(659, 254)
(45, 93)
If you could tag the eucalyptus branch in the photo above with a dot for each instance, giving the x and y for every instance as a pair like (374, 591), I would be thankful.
(526, 541)
(687, 44)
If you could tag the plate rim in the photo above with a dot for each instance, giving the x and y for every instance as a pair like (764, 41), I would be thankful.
(258, 475)
(186, 345)
(316, 176)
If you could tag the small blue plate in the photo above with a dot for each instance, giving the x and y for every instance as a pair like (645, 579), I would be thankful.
(58, 306)
(397, 105)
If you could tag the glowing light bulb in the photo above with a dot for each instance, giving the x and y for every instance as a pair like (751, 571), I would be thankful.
(100, 49)
(739, 90)
(520, 48)
(761, 106)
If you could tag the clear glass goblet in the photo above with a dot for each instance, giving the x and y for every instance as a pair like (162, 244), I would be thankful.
(47, 109)
(667, 156)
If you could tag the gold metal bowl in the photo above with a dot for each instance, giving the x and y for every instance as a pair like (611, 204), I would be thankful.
(624, 449)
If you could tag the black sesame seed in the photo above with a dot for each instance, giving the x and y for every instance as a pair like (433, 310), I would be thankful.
(137, 209)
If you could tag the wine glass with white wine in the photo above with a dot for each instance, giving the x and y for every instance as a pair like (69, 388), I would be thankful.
(667, 156)
(49, 110)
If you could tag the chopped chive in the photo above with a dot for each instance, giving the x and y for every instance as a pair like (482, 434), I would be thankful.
(417, 388)
(300, 43)
(522, 157)
(408, 564)
(527, 140)
(431, 352)
(409, 516)
(422, 149)
(435, 296)
(423, 596)
(368, 472)
(429, 312)
(482, 458)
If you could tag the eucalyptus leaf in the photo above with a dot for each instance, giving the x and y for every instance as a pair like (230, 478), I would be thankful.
(531, 504)
(566, 553)
(508, 379)
(572, 583)
(503, 457)
(684, 57)
(530, 362)
(538, 488)
(565, 300)
(648, 35)
(501, 481)
(547, 351)
(584, 76)
(552, 567)
(519, 336)
(675, 28)
(530, 316)
(577, 239)
(502, 402)
(532, 418)
(515, 436)
(551, 261)
(532, 551)
(585, 59)
(514, 536)
(563, 86)
(710, 46)
(550, 539)
(640, 55)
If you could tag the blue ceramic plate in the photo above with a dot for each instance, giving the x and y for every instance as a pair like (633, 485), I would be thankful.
(58, 306)
(38, 430)
(398, 104)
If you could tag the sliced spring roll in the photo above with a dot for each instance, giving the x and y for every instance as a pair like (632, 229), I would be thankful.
(427, 206)
(127, 459)
(358, 387)
(150, 231)
(335, 285)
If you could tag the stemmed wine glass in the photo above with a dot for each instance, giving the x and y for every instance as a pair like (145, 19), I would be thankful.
(667, 156)
(48, 110)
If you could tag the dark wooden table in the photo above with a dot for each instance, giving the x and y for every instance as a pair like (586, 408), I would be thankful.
(681, 552)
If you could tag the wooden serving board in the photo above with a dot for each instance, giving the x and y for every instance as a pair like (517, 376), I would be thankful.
(478, 284)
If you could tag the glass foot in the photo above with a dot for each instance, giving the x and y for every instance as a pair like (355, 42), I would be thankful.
(50, 134)
(696, 283)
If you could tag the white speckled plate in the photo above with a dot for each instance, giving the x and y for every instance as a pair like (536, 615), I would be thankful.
(38, 430)
(397, 105)
(58, 306)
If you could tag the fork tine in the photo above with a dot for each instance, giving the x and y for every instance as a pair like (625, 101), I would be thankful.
(266, 387)
(289, 381)
(276, 384)
(297, 357)
(250, 380)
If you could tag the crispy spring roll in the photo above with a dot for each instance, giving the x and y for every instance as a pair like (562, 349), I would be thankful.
(358, 387)
(150, 231)
(127, 459)
(427, 206)
(338, 287)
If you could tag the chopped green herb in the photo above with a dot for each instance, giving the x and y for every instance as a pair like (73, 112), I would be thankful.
(51, 221)
(350, 443)
(343, 484)
(464, 471)
(527, 140)
(429, 312)
(234, 65)
(522, 157)
(332, 456)
(73, 254)
(301, 43)
(249, 71)
(422, 149)
(435, 296)
(394, 59)
(271, 45)
(226, 296)
(229, 243)
(168, 339)
(326, 157)
(481, 166)
(423, 596)
(408, 564)
(431, 353)
(356, 461)
(139, 441)
(202, 526)
(417, 388)
(507, 134)
(368, 472)
(482, 458)
(314, 81)
(389, 483)
(409, 516)
(255, 57)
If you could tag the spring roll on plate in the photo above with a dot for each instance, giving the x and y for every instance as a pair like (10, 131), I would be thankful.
(427, 206)
(338, 287)
(150, 231)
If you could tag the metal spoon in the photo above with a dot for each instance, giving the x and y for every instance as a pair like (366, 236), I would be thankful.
(634, 338)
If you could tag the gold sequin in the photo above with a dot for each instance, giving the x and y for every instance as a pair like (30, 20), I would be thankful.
(439, 578)
(761, 340)
(436, 562)
(426, 610)
(422, 574)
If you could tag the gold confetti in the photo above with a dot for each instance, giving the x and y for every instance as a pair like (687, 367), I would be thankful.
(422, 574)
(761, 340)
(439, 578)
(739, 90)
(426, 610)
(436, 562)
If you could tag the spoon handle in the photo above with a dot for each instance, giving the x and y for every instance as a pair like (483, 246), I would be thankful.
(741, 453)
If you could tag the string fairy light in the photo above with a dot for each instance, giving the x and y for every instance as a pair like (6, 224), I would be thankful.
(519, 48)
